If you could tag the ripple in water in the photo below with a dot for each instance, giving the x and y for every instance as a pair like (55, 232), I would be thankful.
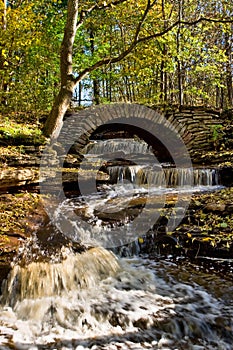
(94, 300)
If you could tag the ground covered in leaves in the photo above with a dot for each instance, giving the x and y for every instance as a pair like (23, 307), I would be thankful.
(208, 226)
(22, 214)
(206, 230)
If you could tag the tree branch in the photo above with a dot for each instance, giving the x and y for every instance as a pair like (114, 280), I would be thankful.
(188, 23)
(85, 13)
(138, 40)
(125, 53)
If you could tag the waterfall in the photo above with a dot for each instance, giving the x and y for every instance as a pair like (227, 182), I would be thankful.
(144, 169)
(130, 173)
(126, 146)
(168, 177)
(46, 279)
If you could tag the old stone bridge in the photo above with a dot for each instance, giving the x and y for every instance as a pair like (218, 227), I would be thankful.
(194, 126)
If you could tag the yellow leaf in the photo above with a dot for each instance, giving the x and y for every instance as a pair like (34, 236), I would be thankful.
(206, 239)
(4, 53)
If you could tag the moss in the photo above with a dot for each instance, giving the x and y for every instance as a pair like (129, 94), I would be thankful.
(15, 132)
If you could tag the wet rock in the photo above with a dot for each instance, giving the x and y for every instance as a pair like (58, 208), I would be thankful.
(229, 208)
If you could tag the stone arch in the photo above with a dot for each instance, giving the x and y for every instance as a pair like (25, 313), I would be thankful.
(77, 129)
(151, 122)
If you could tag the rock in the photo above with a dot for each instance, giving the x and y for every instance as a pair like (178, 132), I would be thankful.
(226, 175)
(215, 207)
(229, 208)
(11, 177)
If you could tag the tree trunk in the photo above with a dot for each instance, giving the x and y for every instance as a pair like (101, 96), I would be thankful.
(217, 97)
(62, 101)
(96, 87)
(179, 63)
(4, 19)
(163, 74)
(54, 122)
(80, 93)
(228, 50)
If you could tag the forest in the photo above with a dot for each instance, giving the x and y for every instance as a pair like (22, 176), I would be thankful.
(152, 52)
(116, 174)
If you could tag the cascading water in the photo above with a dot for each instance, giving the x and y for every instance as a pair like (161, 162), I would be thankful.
(132, 304)
(94, 300)
(126, 146)
(144, 169)
(173, 177)
(46, 279)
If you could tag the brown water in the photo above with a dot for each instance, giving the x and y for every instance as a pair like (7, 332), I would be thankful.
(98, 301)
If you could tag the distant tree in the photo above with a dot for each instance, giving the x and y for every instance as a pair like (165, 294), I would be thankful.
(140, 30)
(29, 59)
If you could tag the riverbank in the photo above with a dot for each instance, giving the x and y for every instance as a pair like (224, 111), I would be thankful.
(207, 228)
(205, 231)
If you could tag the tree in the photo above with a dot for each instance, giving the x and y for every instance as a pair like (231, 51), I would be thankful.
(4, 9)
(140, 34)
(68, 80)
(29, 59)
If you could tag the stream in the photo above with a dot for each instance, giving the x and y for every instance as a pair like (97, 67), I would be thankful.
(98, 301)
(101, 300)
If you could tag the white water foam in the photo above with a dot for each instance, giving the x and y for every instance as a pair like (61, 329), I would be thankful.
(134, 308)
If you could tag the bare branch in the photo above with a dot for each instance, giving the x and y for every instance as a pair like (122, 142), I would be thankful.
(85, 13)
(125, 53)
(206, 19)
(188, 23)
(140, 24)
(137, 40)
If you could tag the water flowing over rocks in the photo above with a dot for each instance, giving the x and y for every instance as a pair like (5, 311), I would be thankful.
(169, 177)
(46, 279)
(62, 295)
(135, 304)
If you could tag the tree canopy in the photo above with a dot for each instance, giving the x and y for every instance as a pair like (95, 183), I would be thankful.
(155, 52)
